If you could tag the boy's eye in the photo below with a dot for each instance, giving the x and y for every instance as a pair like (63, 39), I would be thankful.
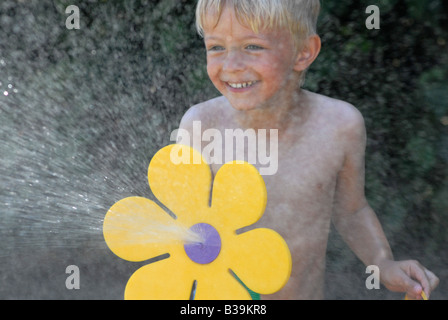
(216, 48)
(254, 47)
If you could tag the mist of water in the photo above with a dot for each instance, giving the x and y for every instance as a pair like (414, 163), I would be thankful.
(79, 123)
(52, 194)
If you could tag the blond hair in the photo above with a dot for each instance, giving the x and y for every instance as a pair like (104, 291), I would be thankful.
(299, 16)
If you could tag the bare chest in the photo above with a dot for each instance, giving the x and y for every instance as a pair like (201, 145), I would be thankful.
(301, 191)
(301, 194)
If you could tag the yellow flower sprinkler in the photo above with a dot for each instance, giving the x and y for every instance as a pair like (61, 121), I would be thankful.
(203, 246)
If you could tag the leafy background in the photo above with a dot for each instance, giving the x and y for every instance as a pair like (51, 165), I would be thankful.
(103, 99)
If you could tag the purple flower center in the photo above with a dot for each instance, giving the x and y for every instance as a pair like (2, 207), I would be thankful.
(208, 250)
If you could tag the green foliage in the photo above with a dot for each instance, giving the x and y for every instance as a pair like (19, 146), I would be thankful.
(397, 77)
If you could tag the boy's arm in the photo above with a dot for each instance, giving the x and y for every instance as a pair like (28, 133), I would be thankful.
(359, 226)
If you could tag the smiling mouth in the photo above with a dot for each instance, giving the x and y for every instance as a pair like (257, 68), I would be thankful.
(241, 85)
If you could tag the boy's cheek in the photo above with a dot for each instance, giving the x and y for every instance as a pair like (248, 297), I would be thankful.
(211, 71)
(214, 77)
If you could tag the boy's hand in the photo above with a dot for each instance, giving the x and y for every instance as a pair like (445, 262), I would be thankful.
(408, 276)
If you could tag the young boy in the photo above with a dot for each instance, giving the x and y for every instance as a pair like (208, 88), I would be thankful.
(257, 54)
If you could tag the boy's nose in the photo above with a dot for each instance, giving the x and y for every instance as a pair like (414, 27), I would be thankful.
(233, 62)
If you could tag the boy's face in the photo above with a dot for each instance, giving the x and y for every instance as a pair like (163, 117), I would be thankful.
(250, 69)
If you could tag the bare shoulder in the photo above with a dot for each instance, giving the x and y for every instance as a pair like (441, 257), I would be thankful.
(341, 112)
(207, 112)
(345, 118)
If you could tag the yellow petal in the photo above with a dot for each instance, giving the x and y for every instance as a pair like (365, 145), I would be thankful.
(261, 259)
(220, 286)
(239, 196)
(137, 229)
(169, 279)
(184, 188)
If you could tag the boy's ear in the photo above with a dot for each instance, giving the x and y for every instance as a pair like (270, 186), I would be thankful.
(308, 54)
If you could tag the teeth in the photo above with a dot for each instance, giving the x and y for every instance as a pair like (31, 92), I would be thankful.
(242, 85)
